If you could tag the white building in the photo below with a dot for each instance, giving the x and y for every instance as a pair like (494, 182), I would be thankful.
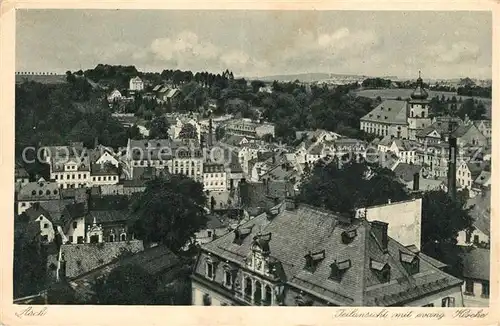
(214, 177)
(136, 84)
(115, 95)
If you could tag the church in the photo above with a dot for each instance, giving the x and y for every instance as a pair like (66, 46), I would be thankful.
(400, 118)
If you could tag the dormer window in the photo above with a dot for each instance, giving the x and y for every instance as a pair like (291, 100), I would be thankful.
(382, 108)
(381, 270)
(241, 233)
(338, 269)
(388, 109)
(210, 269)
(410, 262)
(313, 260)
(348, 236)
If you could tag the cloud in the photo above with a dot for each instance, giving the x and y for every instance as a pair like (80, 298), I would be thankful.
(459, 52)
(183, 47)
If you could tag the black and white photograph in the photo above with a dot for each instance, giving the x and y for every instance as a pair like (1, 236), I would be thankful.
(329, 158)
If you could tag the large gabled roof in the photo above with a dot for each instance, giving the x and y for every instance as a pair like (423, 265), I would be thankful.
(295, 233)
(389, 111)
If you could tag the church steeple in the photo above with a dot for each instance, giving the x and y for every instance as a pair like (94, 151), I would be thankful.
(419, 93)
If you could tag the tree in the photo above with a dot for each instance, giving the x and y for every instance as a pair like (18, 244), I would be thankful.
(29, 261)
(159, 128)
(442, 219)
(219, 132)
(188, 131)
(170, 211)
(126, 285)
(354, 185)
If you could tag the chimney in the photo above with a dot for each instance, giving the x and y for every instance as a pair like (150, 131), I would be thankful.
(209, 145)
(416, 181)
(290, 204)
(379, 230)
(452, 163)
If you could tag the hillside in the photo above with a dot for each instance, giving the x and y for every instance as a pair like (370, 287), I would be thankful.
(43, 79)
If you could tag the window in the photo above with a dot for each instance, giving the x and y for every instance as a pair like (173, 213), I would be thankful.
(123, 237)
(67, 176)
(207, 300)
(468, 235)
(71, 239)
(23, 204)
(45, 225)
(72, 176)
(111, 238)
(485, 292)
(228, 278)
(209, 270)
(75, 224)
(209, 233)
(79, 176)
(476, 239)
(448, 302)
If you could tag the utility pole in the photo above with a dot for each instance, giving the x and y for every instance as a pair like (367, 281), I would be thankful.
(452, 160)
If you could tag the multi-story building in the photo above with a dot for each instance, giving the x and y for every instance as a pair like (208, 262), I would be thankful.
(467, 173)
(248, 128)
(214, 177)
(36, 192)
(404, 149)
(136, 84)
(273, 260)
(176, 157)
(399, 118)
(467, 134)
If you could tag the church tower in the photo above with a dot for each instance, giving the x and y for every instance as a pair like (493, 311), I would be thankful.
(418, 110)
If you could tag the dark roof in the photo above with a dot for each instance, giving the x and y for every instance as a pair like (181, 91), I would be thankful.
(295, 233)
(481, 211)
(257, 196)
(134, 183)
(33, 212)
(419, 93)
(40, 190)
(82, 258)
(406, 171)
(389, 111)
(109, 216)
(214, 222)
(56, 207)
(104, 169)
(476, 263)
(155, 261)
(21, 173)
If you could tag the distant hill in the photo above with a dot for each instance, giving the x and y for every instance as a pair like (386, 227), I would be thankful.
(305, 77)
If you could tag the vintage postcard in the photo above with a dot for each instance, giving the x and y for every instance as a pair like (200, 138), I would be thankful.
(249, 158)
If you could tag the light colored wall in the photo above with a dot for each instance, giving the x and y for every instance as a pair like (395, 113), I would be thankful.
(436, 298)
(475, 299)
(79, 231)
(199, 290)
(104, 180)
(62, 178)
(48, 231)
(462, 237)
(215, 181)
(404, 220)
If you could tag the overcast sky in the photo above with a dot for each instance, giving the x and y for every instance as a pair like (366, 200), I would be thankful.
(259, 43)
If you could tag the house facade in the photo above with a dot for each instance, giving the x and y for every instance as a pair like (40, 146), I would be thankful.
(214, 177)
(272, 260)
(136, 84)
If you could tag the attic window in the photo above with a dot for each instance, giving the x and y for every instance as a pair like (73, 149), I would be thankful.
(33, 192)
(313, 260)
(410, 262)
(382, 108)
(338, 269)
(385, 117)
(241, 233)
(388, 109)
(378, 116)
(381, 270)
(40, 192)
(348, 236)
(370, 115)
